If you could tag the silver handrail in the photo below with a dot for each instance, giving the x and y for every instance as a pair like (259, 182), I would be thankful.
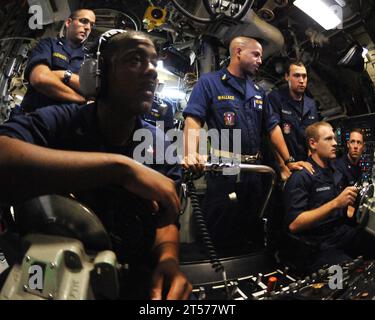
(247, 168)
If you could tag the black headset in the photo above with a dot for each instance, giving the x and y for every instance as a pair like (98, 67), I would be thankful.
(91, 72)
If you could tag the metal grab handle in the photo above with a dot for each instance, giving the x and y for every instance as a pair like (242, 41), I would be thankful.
(212, 167)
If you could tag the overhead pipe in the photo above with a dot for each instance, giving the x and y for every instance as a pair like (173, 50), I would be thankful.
(255, 27)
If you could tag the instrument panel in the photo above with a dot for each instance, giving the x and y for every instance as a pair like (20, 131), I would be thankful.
(366, 123)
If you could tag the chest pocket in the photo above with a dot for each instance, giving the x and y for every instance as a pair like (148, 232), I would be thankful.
(60, 61)
(257, 103)
(291, 123)
(227, 114)
(254, 115)
(309, 119)
(289, 116)
(323, 191)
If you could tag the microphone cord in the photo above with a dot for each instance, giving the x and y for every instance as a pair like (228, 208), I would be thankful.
(203, 231)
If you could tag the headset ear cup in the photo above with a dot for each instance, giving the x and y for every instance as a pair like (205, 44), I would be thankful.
(88, 79)
(90, 74)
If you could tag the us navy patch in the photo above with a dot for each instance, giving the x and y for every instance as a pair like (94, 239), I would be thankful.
(229, 119)
(287, 128)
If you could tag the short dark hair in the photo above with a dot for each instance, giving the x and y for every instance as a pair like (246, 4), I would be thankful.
(116, 43)
(110, 49)
(74, 14)
(358, 130)
(294, 63)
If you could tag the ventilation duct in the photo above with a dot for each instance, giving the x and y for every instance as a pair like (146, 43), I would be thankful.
(253, 26)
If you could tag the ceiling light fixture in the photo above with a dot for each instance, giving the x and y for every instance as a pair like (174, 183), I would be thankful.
(321, 12)
(173, 93)
(160, 68)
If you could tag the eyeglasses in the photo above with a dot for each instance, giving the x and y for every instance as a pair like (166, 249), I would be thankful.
(85, 22)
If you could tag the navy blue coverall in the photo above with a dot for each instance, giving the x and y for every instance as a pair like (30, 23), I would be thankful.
(226, 102)
(57, 55)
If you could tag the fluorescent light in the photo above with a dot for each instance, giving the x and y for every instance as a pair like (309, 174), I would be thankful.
(320, 12)
(342, 3)
(173, 93)
(160, 68)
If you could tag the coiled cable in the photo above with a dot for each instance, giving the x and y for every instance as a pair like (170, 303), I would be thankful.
(203, 231)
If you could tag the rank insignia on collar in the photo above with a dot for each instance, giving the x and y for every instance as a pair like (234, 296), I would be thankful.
(229, 119)
(256, 87)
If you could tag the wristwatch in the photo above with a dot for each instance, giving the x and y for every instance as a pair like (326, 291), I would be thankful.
(67, 75)
(291, 159)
